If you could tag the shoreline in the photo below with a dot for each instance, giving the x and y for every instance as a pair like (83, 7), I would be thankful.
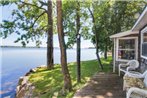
(28, 64)
(40, 47)
(24, 87)
(27, 86)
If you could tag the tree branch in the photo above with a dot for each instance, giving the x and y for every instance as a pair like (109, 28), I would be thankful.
(91, 15)
(43, 28)
(43, 3)
(36, 20)
(40, 7)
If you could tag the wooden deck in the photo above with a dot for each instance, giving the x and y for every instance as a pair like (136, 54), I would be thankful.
(102, 85)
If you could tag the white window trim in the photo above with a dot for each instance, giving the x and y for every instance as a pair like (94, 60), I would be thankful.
(136, 48)
(142, 32)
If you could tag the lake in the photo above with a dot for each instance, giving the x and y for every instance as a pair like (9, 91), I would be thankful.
(15, 62)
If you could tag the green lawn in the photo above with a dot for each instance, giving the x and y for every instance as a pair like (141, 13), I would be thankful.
(49, 83)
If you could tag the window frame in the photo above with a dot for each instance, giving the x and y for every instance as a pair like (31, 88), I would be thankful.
(135, 49)
(142, 32)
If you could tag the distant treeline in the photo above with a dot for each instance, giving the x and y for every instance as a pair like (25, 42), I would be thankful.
(39, 47)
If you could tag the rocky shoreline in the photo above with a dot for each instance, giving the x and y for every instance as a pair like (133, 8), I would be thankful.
(24, 88)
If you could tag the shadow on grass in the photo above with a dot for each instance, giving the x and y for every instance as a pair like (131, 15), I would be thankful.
(49, 83)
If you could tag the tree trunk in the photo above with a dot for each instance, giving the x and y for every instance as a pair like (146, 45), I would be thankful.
(79, 58)
(97, 53)
(50, 62)
(78, 43)
(96, 40)
(105, 52)
(66, 75)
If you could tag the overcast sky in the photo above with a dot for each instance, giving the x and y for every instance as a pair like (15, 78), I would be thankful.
(5, 14)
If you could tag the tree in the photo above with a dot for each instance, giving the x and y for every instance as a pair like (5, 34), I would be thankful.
(33, 17)
(74, 17)
(112, 17)
(103, 25)
(50, 37)
(66, 75)
(96, 35)
(78, 42)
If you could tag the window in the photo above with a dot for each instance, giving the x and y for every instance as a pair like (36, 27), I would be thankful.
(144, 44)
(126, 49)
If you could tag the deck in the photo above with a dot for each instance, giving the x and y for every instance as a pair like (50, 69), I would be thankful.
(102, 85)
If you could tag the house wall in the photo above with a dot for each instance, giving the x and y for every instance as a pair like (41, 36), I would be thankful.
(143, 64)
(117, 63)
(143, 61)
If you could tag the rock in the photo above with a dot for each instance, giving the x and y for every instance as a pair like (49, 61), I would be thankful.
(18, 88)
(25, 80)
(28, 73)
(41, 66)
(20, 80)
(21, 93)
(25, 88)
(33, 70)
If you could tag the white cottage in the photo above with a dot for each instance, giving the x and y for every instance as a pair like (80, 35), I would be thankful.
(132, 44)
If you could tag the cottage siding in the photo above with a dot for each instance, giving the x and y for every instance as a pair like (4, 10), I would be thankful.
(117, 63)
(143, 66)
(143, 61)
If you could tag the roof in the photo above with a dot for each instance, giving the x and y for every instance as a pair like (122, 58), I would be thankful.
(141, 22)
(121, 34)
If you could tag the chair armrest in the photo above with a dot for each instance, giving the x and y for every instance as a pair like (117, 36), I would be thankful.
(123, 65)
(135, 74)
(137, 91)
(119, 67)
(128, 68)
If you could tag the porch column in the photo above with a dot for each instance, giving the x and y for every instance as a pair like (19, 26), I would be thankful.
(114, 55)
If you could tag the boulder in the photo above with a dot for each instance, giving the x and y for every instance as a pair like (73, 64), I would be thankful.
(24, 88)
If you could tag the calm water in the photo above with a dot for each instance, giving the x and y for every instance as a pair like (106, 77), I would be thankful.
(15, 62)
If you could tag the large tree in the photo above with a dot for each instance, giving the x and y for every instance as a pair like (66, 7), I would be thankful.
(50, 37)
(78, 36)
(96, 33)
(31, 21)
(65, 71)
(74, 19)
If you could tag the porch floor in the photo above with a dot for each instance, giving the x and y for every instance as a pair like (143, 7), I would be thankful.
(102, 85)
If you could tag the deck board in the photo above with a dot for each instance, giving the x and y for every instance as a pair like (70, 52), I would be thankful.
(102, 85)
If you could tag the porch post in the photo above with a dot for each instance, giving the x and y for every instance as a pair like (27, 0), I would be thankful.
(114, 54)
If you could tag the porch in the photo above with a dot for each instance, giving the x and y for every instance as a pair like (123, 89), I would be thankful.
(102, 85)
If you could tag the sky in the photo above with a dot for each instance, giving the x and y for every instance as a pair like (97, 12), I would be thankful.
(5, 14)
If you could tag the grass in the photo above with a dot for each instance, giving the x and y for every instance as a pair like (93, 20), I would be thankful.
(49, 83)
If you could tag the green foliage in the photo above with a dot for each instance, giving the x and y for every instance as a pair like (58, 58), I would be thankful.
(69, 21)
(29, 21)
(113, 17)
(7, 2)
(49, 83)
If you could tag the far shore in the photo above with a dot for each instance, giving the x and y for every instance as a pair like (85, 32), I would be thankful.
(40, 47)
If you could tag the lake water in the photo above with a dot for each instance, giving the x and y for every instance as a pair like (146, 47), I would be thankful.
(15, 62)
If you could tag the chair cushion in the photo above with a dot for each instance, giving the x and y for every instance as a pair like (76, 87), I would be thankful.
(133, 82)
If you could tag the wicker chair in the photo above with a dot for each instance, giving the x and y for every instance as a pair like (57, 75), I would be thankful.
(135, 92)
(131, 65)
